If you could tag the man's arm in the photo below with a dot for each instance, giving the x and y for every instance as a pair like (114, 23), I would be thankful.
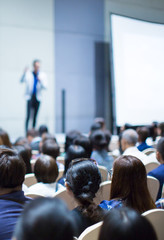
(23, 78)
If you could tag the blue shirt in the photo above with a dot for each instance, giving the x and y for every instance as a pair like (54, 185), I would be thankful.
(9, 212)
(102, 158)
(35, 82)
(143, 146)
(159, 174)
(108, 205)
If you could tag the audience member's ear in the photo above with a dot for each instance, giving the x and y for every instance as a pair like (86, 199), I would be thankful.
(158, 156)
(68, 189)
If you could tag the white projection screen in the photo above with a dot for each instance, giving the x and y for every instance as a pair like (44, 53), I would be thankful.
(138, 70)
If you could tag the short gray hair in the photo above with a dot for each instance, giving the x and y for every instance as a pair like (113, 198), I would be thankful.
(130, 136)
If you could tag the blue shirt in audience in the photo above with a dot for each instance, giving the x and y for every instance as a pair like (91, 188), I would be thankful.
(11, 206)
(102, 158)
(108, 205)
(143, 146)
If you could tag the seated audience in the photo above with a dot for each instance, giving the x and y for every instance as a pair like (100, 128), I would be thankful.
(24, 152)
(21, 141)
(45, 219)
(43, 129)
(51, 148)
(33, 138)
(128, 145)
(101, 121)
(129, 186)
(46, 173)
(94, 127)
(82, 181)
(99, 149)
(12, 199)
(4, 137)
(143, 134)
(126, 224)
(159, 171)
(73, 152)
(70, 137)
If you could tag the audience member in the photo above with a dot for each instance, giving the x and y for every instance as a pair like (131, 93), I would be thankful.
(129, 186)
(143, 134)
(24, 152)
(94, 127)
(101, 121)
(126, 224)
(45, 218)
(85, 143)
(128, 144)
(99, 152)
(83, 180)
(159, 171)
(51, 148)
(70, 137)
(5, 140)
(21, 141)
(12, 199)
(33, 139)
(73, 152)
(43, 129)
(46, 173)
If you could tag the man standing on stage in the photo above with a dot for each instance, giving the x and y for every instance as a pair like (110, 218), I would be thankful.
(35, 81)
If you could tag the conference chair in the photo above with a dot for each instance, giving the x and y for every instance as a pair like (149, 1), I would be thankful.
(104, 173)
(153, 186)
(103, 193)
(156, 217)
(30, 179)
(33, 196)
(150, 166)
(61, 159)
(91, 233)
(66, 197)
(149, 151)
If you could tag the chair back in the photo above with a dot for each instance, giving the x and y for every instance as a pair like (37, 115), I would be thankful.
(30, 179)
(91, 233)
(156, 217)
(103, 193)
(149, 151)
(65, 196)
(150, 166)
(33, 196)
(104, 173)
(153, 186)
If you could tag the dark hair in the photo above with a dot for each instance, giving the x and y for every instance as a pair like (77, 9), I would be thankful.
(43, 129)
(21, 141)
(98, 140)
(85, 143)
(161, 127)
(12, 169)
(5, 138)
(32, 132)
(129, 183)
(51, 148)
(45, 218)
(73, 152)
(143, 134)
(83, 178)
(46, 169)
(70, 137)
(25, 152)
(160, 147)
(48, 136)
(126, 224)
(95, 126)
(101, 121)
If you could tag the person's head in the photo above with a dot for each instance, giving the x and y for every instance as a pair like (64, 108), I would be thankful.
(25, 152)
(31, 134)
(12, 169)
(143, 134)
(21, 141)
(46, 169)
(101, 121)
(43, 129)
(85, 143)
(160, 129)
(5, 140)
(70, 137)
(126, 224)
(36, 65)
(73, 152)
(94, 127)
(129, 183)
(129, 139)
(160, 150)
(83, 179)
(98, 140)
(51, 148)
(108, 137)
(45, 218)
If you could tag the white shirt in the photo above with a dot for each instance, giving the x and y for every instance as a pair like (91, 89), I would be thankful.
(133, 151)
(28, 78)
(45, 189)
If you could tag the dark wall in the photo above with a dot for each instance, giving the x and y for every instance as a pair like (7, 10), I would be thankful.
(79, 66)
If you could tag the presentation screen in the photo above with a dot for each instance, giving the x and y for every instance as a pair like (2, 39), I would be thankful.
(138, 70)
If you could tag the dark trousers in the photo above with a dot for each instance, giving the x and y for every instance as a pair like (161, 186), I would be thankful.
(32, 104)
